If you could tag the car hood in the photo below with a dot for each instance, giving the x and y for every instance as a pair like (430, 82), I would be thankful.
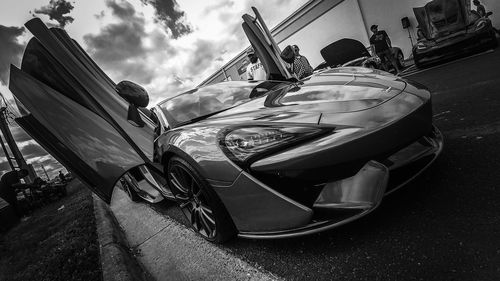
(442, 17)
(340, 90)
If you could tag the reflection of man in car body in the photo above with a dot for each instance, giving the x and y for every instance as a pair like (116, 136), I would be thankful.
(381, 45)
(8, 184)
(255, 70)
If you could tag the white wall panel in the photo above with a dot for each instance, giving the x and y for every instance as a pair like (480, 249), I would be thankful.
(343, 21)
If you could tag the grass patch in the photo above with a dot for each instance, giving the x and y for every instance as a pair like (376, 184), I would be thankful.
(54, 244)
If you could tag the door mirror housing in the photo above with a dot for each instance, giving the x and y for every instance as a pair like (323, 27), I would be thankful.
(133, 93)
(136, 96)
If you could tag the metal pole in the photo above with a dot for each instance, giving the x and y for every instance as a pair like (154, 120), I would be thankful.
(10, 140)
(45, 171)
(6, 153)
(4, 127)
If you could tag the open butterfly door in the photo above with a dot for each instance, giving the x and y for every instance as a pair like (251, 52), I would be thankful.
(265, 47)
(71, 108)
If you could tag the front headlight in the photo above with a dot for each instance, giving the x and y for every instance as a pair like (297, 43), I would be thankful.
(421, 45)
(480, 25)
(243, 143)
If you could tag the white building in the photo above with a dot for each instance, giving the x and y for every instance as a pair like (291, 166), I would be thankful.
(321, 22)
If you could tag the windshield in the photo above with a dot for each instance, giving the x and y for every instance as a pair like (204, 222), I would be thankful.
(203, 102)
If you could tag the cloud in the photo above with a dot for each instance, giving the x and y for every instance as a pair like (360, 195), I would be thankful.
(10, 50)
(203, 55)
(216, 7)
(136, 45)
(127, 50)
(56, 10)
(19, 134)
(119, 47)
(168, 13)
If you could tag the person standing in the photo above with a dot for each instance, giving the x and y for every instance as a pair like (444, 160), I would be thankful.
(61, 177)
(301, 66)
(255, 69)
(8, 184)
(381, 45)
(479, 8)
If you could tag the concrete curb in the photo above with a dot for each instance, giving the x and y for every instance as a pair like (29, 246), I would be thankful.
(168, 250)
(117, 261)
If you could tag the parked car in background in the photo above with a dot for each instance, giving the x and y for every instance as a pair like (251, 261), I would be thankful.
(448, 29)
(256, 159)
(349, 52)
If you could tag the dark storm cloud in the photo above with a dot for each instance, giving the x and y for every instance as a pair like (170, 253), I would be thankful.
(10, 50)
(169, 14)
(203, 56)
(118, 41)
(4, 167)
(32, 150)
(120, 45)
(123, 10)
(56, 10)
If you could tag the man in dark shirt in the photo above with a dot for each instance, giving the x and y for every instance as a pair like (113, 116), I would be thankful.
(381, 45)
(479, 8)
(481, 11)
(8, 184)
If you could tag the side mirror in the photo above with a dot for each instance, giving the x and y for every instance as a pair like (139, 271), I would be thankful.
(133, 93)
(136, 96)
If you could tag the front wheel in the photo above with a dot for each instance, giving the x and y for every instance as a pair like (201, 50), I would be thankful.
(199, 203)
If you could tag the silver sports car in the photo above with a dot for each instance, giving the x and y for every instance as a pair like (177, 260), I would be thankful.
(257, 159)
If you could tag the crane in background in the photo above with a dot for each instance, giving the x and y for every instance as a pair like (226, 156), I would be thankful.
(16, 161)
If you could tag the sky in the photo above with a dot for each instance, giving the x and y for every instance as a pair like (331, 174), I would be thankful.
(167, 46)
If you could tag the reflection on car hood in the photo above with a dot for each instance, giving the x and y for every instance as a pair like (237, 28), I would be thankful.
(339, 90)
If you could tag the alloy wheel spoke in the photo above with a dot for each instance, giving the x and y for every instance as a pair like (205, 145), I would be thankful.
(177, 184)
(206, 209)
(182, 197)
(192, 200)
(183, 177)
(207, 215)
(208, 229)
(184, 204)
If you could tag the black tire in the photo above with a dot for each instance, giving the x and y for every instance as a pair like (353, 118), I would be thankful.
(416, 61)
(199, 203)
(494, 40)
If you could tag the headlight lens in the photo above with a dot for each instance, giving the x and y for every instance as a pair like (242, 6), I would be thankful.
(480, 25)
(421, 45)
(243, 143)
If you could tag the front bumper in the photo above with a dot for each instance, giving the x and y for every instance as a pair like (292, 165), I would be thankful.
(453, 48)
(343, 201)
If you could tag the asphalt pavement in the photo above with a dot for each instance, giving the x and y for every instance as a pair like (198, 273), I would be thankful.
(444, 225)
